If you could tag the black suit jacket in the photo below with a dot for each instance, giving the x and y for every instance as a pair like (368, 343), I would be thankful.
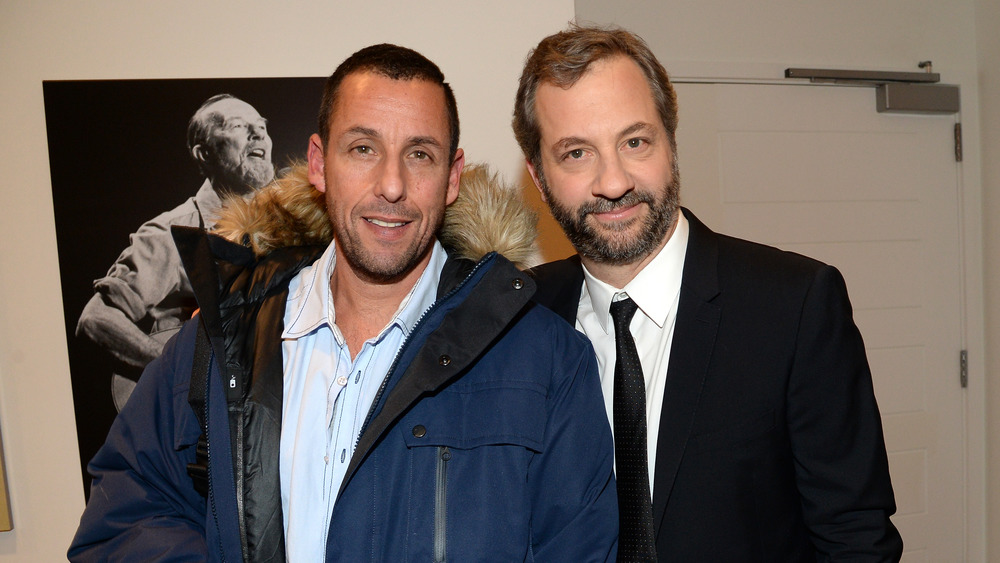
(770, 445)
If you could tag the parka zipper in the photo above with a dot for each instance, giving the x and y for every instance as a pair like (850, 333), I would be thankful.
(406, 342)
(208, 453)
(441, 505)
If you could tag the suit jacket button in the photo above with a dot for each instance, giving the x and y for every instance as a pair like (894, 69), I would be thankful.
(444, 360)
(518, 283)
(419, 431)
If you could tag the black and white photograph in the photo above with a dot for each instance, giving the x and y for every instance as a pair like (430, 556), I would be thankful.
(130, 159)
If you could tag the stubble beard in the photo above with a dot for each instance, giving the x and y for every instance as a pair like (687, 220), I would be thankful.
(619, 243)
(380, 268)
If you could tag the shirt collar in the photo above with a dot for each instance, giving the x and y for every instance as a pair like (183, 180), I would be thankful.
(310, 299)
(654, 289)
(208, 202)
(424, 292)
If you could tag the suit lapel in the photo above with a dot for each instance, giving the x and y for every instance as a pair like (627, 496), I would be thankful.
(559, 287)
(690, 353)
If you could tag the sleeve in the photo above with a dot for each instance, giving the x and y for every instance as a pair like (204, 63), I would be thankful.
(145, 273)
(143, 506)
(841, 467)
(575, 506)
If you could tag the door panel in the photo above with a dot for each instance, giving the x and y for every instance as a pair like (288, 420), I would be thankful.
(816, 170)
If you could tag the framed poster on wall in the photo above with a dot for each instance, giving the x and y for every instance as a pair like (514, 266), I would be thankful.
(128, 159)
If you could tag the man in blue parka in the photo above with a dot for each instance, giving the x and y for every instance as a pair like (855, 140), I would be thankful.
(352, 391)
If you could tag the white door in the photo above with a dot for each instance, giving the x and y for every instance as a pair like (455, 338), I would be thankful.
(817, 171)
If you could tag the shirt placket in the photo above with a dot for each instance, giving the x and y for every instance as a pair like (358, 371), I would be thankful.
(337, 396)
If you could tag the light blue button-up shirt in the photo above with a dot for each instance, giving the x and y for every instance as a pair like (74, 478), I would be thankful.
(327, 396)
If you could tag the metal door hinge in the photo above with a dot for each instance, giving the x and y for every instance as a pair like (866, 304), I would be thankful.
(958, 142)
(963, 362)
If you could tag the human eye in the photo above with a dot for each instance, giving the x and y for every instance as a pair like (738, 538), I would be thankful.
(420, 155)
(363, 150)
(575, 154)
(636, 143)
(236, 125)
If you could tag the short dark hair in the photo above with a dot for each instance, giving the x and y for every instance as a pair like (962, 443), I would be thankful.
(561, 59)
(396, 63)
(197, 131)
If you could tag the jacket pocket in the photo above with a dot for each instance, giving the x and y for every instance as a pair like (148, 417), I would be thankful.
(470, 453)
(467, 417)
(441, 505)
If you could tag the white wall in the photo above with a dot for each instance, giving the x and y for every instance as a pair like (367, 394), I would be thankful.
(480, 45)
(758, 40)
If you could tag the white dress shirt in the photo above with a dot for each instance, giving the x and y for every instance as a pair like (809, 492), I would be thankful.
(327, 395)
(656, 290)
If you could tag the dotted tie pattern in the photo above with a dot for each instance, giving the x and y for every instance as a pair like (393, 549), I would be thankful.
(636, 542)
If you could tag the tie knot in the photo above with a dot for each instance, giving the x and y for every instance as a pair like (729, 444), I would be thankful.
(621, 314)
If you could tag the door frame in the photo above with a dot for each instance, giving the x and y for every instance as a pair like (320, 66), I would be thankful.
(972, 320)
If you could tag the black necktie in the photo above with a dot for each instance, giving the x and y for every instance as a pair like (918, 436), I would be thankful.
(635, 511)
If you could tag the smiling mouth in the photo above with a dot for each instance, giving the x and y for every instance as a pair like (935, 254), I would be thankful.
(387, 224)
(257, 153)
(620, 213)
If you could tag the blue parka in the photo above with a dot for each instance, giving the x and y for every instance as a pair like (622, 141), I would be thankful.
(488, 442)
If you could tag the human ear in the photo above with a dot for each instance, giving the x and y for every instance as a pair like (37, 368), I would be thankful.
(455, 176)
(316, 163)
(199, 153)
(535, 179)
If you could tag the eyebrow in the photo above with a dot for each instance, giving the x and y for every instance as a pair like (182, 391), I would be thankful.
(228, 120)
(635, 128)
(567, 142)
(429, 141)
(367, 132)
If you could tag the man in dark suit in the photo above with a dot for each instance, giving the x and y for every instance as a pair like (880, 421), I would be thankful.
(745, 423)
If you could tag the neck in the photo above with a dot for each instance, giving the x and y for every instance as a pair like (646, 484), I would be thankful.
(619, 275)
(365, 306)
(224, 188)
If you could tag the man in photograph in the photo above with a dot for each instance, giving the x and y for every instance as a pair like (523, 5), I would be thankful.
(741, 401)
(362, 393)
(146, 296)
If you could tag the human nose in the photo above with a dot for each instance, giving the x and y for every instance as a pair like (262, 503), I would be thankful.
(391, 185)
(613, 179)
(257, 131)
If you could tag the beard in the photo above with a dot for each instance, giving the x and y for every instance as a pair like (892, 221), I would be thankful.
(256, 172)
(383, 268)
(243, 175)
(623, 242)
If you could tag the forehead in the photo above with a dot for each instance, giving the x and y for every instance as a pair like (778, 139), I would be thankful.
(372, 100)
(230, 108)
(611, 95)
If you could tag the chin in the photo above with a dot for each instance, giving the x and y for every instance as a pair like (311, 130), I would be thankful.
(258, 176)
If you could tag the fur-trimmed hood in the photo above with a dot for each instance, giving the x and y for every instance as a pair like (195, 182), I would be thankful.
(488, 215)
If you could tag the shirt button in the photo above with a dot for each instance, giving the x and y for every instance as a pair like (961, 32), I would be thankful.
(419, 431)
(342, 381)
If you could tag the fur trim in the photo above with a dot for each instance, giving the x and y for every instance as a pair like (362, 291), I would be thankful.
(487, 216)
(286, 212)
(490, 215)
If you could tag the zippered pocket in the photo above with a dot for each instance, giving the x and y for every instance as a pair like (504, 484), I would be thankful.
(441, 505)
